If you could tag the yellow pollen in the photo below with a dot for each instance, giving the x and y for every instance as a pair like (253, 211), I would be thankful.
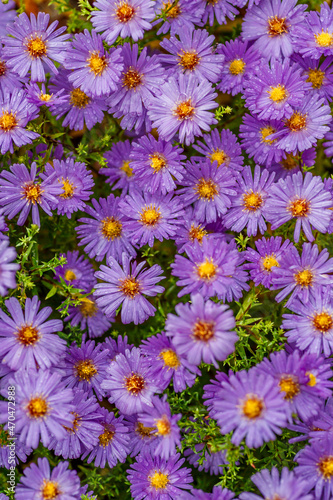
(37, 407)
(111, 228)
(189, 60)
(316, 77)
(269, 261)
(252, 407)
(172, 12)
(324, 39)
(132, 79)
(197, 233)
(150, 215)
(170, 358)
(203, 330)
(36, 47)
(7, 121)
(158, 480)
(85, 370)
(304, 278)
(144, 431)
(75, 424)
(206, 270)
(163, 426)
(312, 382)
(299, 207)
(127, 169)
(97, 63)
(106, 437)
(129, 287)
(70, 275)
(28, 335)
(290, 386)
(325, 466)
(265, 132)
(134, 384)
(79, 99)
(125, 12)
(50, 490)
(277, 26)
(32, 193)
(184, 110)
(157, 162)
(290, 162)
(206, 188)
(87, 308)
(219, 156)
(3, 68)
(278, 93)
(322, 321)
(45, 97)
(68, 189)
(296, 122)
(252, 201)
(237, 67)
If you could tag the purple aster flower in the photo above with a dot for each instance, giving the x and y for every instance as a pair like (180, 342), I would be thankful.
(302, 275)
(219, 9)
(218, 493)
(291, 164)
(271, 485)
(274, 91)
(213, 461)
(104, 233)
(118, 346)
(85, 429)
(192, 54)
(8, 14)
(27, 338)
(9, 80)
(202, 331)
(267, 255)
(16, 112)
(304, 199)
(319, 74)
(257, 139)
(95, 70)
(210, 269)
(181, 16)
(166, 427)
(77, 271)
(39, 481)
(40, 96)
(250, 404)
(166, 364)
(11, 449)
(124, 18)
(119, 170)
(249, 206)
(43, 407)
(85, 367)
(311, 327)
(33, 45)
(127, 286)
(209, 187)
(153, 477)
(129, 382)
(113, 443)
(271, 25)
(156, 164)
(79, 108)
(150, 216)
(7, 267)
(183, 107)
(89, 317)
(308, 123)
(221, 147)
(142, 439)
(240, 62)
(212, 391)
(21, 191)
(76, 182)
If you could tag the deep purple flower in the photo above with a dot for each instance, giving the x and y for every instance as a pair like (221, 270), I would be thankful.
(33, 45)
(221, 147)
(220, 9)
(40, 96)
(119, 171)
(180, 17)
(77, 271)
(142, 439)
(89, 317)
(218, 493)
(183, 107)
(12, 451)
(127, 286)
(9, 80)
(291, 164)
(214, 461)
(7, 267)
(118, 346)
(319, 74)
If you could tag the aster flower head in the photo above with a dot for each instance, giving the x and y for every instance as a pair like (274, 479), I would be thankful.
(22, 191)
(129, 382)
(240, 62)
(119, 171)
(8, 15)
(7, 267)
(39, 96)
(103, 233)
(88, 315)
(202, 331)
(249, 206)
(156, 164)
(27, 338)
(181, 16)
(291, 164)
(221, 10)
(9, 80)
(212, 391)
(319, 74)
(304, 199)
(118, 346)
(33, 45)
(142, 439)
(193, 54)
(271, 25)
(77, 271)
(150, 216)
(209, 188)
(214, 462)
(183, 108)
(221, 147)
(39, 481)
(153, 477)
(124, 18)
(127, 286)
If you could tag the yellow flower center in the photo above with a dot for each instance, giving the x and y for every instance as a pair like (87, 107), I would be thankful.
(170, 358)
(290, 386)
(296, 122)
(132, 79)
(50, 490)
(269, 261)
(277, 26)
(68, 189)
(316, 77)
(127, 169)
(70, 275)
(299, 207)
(278, 93)
(157, 162)
(75, 424)
(97, 63)
(3, 68)
(130, 287)
(203, 330)
(144, 431)
(45, 97)
(197, 233)
(206, 270)
(219, 156)
(32, 193)
(106, 437)
(252, 407)
(36, 47)
(322, 321)
(252, 201)
(184, 110)
(134, 384)
(237, 67)
(79, 99)
(189, 60)
(87, 308)
(312, 379)
(111, 228)
(324, 39)
(290, 162)
(150, 215)
(7, 121)
(325, 466)
(304, 278)
(158, 480)
(125, 12)
(163, 426)
(85, 370)
(206, 188)
(28, 335)
(171, 11)
(265, 132)
(37, 407)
